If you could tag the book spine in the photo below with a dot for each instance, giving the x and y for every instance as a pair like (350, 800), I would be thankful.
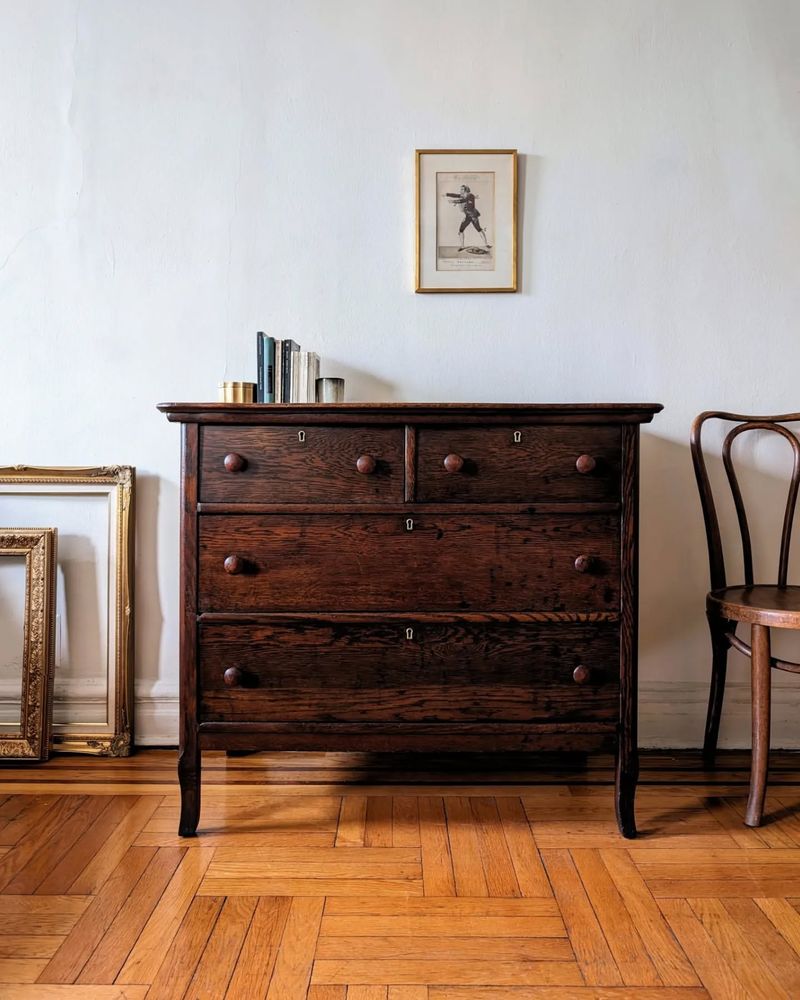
(290, 348)
(269, 370)
(260, 389)
(278, 371)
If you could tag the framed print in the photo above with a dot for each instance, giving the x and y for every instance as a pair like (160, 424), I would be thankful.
(466, 225)
(27, 614)
(92, 508)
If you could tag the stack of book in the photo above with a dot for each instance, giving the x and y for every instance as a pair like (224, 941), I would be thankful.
(285, 373)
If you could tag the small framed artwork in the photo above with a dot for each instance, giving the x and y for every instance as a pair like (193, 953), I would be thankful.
(27, 614)
(92, 509)
(466, 232)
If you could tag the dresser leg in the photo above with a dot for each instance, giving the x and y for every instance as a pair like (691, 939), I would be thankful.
(627, 776)
(189, 778)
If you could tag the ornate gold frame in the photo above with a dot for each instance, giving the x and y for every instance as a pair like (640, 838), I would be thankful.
(121, 479)
(513, 287)
(36, 696)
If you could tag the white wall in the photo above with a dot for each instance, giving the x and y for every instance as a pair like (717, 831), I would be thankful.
(177, 174)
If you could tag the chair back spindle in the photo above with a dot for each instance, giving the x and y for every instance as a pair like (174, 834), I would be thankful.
(713, 535)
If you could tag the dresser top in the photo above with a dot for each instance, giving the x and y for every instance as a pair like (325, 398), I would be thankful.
(397, 413)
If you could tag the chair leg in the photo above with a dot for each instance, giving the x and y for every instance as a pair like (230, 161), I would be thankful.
(761, 679)
(719, 669)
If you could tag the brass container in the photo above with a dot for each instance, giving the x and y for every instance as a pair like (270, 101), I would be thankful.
(237, 392)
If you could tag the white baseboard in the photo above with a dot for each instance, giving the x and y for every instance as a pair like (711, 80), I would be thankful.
(671, 715)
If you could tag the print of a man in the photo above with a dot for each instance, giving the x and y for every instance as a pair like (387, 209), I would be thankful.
(466, 199)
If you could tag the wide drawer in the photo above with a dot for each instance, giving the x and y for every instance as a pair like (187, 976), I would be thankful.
(547, 463)
(388, 562)
(408, 672)
(301, 464)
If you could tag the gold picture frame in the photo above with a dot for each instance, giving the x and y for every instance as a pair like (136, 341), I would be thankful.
(38, 545)
(113, 488)
(482, 205)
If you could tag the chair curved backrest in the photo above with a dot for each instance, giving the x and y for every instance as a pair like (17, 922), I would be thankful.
(743, 423)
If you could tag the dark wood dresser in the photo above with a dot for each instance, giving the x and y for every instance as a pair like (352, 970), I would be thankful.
(408, 577)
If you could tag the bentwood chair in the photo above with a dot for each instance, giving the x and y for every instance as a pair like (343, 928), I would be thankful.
(762, 606)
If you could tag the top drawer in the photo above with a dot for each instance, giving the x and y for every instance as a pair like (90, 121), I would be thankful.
(301, 464)
(517, 464)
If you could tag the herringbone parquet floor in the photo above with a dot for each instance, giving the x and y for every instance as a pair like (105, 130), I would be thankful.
(337, 877)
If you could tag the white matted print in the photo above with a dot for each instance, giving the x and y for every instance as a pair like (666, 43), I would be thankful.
(466, 221)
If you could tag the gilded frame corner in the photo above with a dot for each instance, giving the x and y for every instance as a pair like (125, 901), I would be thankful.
(38, 545)
(514, 286)
(117, 740)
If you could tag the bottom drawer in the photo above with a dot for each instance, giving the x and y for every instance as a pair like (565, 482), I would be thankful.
(408, 672)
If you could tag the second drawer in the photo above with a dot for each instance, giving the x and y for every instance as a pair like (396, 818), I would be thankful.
(408, 672)
(388, 562)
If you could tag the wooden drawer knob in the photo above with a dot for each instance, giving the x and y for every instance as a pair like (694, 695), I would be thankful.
(234, 462)
(233, 677)
(582, 674)
(453, 463)
(366, 465)
(234, 565)
(585, 464)
(584, 564)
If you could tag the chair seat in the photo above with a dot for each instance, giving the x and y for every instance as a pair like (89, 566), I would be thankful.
(761, 604)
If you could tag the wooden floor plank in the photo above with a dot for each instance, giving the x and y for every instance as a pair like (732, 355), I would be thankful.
(561, 993)
(29, 945)
(437, 863)
(109, 956)
(32, 915)
(446, 946)
(784, 917)
(405, 821)
(445, 906)
(587, 938)
(713, 971)
(459, 973)
(743, 960)
(498, 868)
(29, 849)
(88, 844)
(66, 832)
(105, 861)
(219, 958)
(765, 939)
(378, 826)
(67, 963)
(464, 848)
(352, 821)
(668, 957)
(151, 946)
(441, 924)
(296, 955)
(60, 992)
(180, 962)
(627, 947)
(256, 962)
(528, 868)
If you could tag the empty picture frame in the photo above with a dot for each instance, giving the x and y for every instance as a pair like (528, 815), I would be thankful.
(27, 615)
(92, 508)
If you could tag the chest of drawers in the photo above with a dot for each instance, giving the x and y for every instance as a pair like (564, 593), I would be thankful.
(408, 577)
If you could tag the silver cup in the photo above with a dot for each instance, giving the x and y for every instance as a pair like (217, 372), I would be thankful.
(330, 390)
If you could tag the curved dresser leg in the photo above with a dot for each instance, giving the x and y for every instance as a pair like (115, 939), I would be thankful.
(189, 778)
(626, 778)
(760, 667)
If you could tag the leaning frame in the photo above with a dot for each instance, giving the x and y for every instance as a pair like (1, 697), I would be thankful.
(38, 545)
(116, 738)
